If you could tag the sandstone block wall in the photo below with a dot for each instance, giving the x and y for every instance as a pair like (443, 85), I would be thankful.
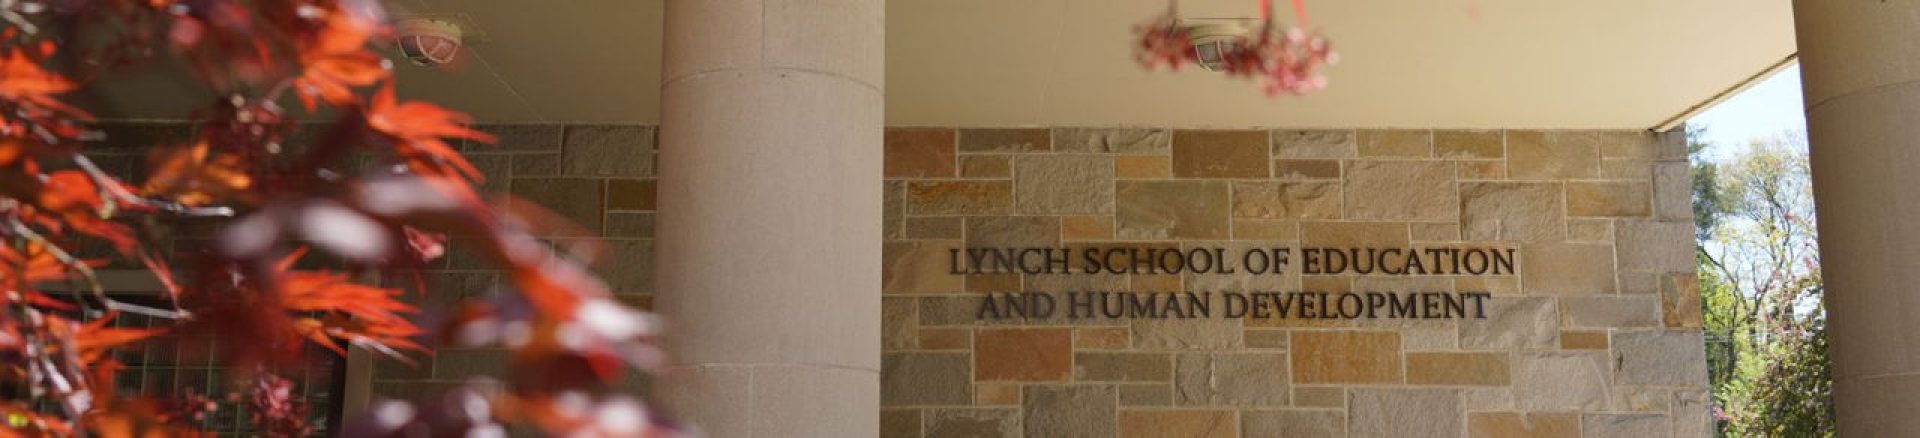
(1596, 335)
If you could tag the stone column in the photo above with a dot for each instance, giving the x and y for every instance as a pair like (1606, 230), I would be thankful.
(1861, 76)
(768, 250)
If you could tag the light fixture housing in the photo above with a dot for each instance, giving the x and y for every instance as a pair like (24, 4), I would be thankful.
(427, 41)
(1212, 37)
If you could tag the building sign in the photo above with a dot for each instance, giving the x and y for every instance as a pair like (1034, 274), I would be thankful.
(1112, 281)
(1276, 261)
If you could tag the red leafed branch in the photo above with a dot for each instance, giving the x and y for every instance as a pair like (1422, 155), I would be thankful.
(1286, 59)
(275, 198)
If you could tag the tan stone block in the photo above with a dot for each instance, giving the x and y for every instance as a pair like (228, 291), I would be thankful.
(1487, 399)
(1672, 192)
(1394, 143)
(993, 282)
(1404, 413)
(1314, 143)
(1402, 190)
(1660, 358)
(1561, 380)
(1315, 423)
(1220, 154)
(1286, 200)
(960, 197)
(1435, 232)
(1122, 367)
(1267, 339)
(1102, 338)
(893, 210)
(1030, 355)
(1320, 397)
(1306, 169)
(973, 422)
(1547, 155)
(1354, 234)
(1423, 335)
(1157, 283)
(1636, 170)
(1070, 411)
(1655, 246)
(908, 379)
(900, 423)
(1566, 269)
(1145, 394)
(946, 339)
(522, 166)
(1637, 145)
(1012, 231)
(996, 394)
(1500, 285)
(1481, 169)
(580, 200)
(919, 153)
(1346, 357)
(1063, 184)
(1187, 334)
(607, 150)
(1609, 199)
(898, 324)
(1329, 284)
(1607, 425)
(1086, 227)
(1142, 167)
(629, 194)
(1178, 424)
(1112, 140)
(1172, 210)
(1232, 379)
(1266, 230)
(1692, 413)
(918, 267)
(1641, 399)
(1583, 339)
(1512, 211)
(1523, 425)
(1005, 140)
(946, 228)
(1513, 323)
(955, 310)
(986, 166)
(1402, 143)
(1680, 301)
(1590, 230)
(1469, 144)
(1486, 369)
(1639, 283)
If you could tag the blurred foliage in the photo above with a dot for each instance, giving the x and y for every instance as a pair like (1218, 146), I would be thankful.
(376, 192)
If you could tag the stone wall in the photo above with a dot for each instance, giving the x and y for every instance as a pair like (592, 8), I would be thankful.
(1597, 334)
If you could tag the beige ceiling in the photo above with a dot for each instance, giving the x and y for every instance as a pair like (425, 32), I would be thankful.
(1405, 63)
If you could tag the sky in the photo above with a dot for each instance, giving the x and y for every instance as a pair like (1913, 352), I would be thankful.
(1768, 108)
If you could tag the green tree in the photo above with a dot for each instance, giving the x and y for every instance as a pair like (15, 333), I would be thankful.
(1760, 284)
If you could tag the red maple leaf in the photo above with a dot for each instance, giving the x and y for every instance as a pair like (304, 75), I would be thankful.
(336, 60)
(420, 132)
